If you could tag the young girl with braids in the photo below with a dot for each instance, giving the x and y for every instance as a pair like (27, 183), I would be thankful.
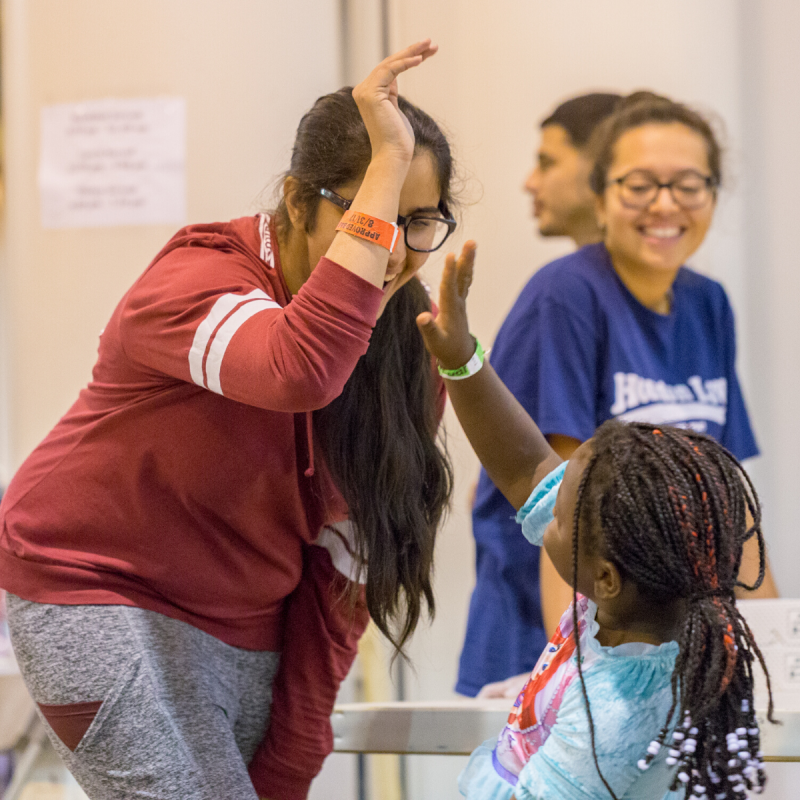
(646, 688)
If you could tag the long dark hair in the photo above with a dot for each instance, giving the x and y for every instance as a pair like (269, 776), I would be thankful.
(379, 437)
(668, 507)
(645, 108)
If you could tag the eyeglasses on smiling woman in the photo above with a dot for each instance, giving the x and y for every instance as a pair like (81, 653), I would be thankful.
(423, 233)
(689, 189)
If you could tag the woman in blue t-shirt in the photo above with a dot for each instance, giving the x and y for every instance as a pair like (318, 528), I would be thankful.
(617, 329)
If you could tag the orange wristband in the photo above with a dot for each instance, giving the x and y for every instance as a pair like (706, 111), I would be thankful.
(370, 228)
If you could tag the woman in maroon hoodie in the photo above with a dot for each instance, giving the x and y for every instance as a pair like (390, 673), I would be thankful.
(187, 584)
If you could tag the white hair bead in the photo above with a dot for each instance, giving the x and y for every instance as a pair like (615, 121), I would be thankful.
(683, 777)
(653, 748)
(642, 764)
(678, 736)
(741, 732)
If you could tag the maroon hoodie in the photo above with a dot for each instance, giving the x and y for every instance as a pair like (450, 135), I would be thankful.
(181, 481)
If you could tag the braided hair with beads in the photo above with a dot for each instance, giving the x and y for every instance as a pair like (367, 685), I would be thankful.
(669, 508)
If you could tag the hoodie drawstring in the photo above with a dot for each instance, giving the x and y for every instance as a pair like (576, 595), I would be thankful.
(309, 473)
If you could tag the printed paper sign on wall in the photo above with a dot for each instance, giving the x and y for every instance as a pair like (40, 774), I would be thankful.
(113, 162)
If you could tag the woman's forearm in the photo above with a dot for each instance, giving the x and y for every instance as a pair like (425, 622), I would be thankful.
(392, 141)
(379, 197)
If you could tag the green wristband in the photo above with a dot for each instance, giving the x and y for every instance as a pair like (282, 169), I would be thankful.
(470, 368)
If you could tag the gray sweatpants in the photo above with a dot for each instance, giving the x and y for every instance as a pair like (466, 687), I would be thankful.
(181, 715)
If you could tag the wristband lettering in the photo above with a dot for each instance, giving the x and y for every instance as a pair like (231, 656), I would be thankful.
(370, 228)
(469, 369)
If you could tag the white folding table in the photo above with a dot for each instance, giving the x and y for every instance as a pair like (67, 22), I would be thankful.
(458, 727)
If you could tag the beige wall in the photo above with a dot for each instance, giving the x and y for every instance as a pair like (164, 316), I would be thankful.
(771, 176)
(247, 68)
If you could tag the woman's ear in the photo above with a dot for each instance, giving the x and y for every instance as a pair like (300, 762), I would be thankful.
(600, 211)
(607, 580)
(294, 209)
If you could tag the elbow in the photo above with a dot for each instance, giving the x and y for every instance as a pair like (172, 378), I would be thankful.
(320, 392)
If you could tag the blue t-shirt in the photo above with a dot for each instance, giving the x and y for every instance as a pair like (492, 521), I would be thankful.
(576, 350)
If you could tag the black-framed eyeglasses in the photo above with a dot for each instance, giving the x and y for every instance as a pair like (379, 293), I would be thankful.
(690, 190)
(423, 233)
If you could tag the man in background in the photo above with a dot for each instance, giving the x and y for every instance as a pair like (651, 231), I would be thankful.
(563, 203)
(505, 631)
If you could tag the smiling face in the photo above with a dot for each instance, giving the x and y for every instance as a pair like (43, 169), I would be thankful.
(662, 236)
(420, 194)
(563, 203)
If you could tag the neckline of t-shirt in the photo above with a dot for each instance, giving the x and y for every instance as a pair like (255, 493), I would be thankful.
(662, 319)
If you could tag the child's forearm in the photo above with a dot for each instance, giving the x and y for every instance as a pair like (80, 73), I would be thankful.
(506, 440)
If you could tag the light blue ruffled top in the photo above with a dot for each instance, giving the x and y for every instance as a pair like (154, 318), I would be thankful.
(629, 692)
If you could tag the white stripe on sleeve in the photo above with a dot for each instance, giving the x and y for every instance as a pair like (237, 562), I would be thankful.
(207, 329)
(223, 337)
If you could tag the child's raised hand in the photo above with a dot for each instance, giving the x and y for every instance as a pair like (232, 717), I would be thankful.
(512, 448)
(447, 337)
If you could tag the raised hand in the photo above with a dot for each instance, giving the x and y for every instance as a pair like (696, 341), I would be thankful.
(447, 337)
(376, 97)
(504, 437)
